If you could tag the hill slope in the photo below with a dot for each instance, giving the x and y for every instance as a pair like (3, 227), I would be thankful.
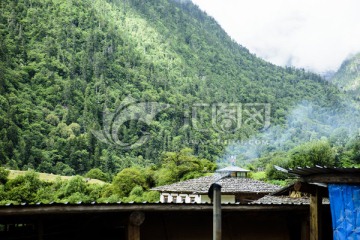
(63, 63)
(348, 76)
(50, 177)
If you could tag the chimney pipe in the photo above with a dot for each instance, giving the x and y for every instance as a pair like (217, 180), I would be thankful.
(215, 196)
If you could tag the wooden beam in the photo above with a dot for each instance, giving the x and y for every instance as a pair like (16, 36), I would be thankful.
(61, 209)
(311, 189)
(315, 216)
(348, 178)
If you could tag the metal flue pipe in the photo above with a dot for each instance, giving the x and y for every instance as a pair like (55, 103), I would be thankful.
(215, 196)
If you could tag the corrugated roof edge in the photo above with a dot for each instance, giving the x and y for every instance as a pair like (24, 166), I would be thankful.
(34, 209)
(40, 204)
(305, 171)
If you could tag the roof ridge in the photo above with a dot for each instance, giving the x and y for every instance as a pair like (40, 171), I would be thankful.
(229, 185)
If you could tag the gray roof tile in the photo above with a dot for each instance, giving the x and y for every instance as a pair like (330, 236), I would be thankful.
(286, 200)
(228, 184)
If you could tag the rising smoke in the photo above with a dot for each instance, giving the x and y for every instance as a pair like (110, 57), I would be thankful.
(306, 122)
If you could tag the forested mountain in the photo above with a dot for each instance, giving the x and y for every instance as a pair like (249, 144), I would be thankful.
(348, 76)
(65, 63)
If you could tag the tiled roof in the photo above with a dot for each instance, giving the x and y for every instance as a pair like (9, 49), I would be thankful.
(228, 184)
(285, 200)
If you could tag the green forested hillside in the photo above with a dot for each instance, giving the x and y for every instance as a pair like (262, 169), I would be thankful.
(64, 63)
(348, 76)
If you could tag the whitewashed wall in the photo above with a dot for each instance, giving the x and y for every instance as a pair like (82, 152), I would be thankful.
(224, 199)
(180, 197)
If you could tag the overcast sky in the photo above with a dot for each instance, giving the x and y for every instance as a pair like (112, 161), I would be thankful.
(313, 34)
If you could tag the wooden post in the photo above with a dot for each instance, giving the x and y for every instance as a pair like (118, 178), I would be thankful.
(135, 220)
(315, 216)
(40, 230)
(216, 212)
(305, 229)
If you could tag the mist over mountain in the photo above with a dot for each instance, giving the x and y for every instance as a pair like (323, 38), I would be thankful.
(305, 123)
(347, 78)
(328, 75)
(183, 1)
(64, 64)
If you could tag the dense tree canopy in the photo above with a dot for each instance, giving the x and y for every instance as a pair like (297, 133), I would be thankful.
(68, 72)
(63, 63)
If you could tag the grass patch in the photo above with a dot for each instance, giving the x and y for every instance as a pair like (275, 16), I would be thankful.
(258, 176)
(48, 177)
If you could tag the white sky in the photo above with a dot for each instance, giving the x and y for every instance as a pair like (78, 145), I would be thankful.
(313, 34)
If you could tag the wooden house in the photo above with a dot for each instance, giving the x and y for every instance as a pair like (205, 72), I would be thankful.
(236, 188)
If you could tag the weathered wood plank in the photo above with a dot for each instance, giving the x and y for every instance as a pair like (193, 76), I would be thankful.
(315, 216)
(135, 220)
(311, 189)
(40, 230)
(133, 232)
(304, 230)
(35, 210)
(348, 178)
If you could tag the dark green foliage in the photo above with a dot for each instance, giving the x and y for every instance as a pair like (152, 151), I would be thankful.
(347, 78)
(351, 153)
(137, 194)
(312, 153)
(182, 165)
(280, 160)
(29, 188)
(23, 188)
(3, 194)
(96, 173)
(4, 173)
(127, 179)
(319, 152)
(63, 62)
(75, 185)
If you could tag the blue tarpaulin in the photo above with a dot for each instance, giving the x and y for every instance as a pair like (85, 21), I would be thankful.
(345, 211)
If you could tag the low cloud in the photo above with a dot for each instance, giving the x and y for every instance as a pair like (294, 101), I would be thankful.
(315, 35)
